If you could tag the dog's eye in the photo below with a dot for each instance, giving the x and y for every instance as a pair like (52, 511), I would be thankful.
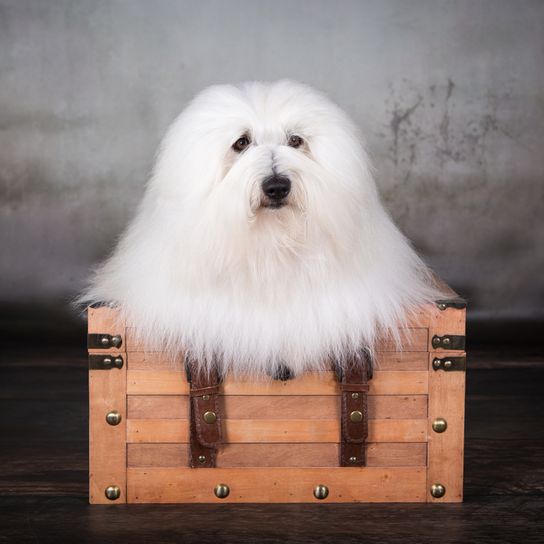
(240, 144)
(295, 141)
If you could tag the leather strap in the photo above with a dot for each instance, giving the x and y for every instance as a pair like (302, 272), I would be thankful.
(354, 409)
(205, 416)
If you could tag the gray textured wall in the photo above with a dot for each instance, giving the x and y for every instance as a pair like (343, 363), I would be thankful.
(450, 95)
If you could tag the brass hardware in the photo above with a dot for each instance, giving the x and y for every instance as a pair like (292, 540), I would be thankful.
(356, 416)
(438, 491)
(353, 460)
(221, 491)
(104, 341)
(201, 459)
(113, 417)
(355, 395)
(113, 492)
(321, 492)
(449, 341)
(105, 362)
(456, 303)
(205, 397)
(209, 417)
(439, 425)
(450, 364)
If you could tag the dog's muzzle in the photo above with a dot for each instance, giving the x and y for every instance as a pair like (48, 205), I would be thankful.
(275, 188)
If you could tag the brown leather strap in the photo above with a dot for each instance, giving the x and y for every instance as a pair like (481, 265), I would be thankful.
(205, 416)
(354, 410)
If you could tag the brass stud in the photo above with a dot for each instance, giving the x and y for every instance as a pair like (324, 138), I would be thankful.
(439, 425)
(201, 459)
(113, 492)
(438, 491)
(118, 362)
(356, 416)
(355, 395)
(353, 460)
(209, 417)
(205, 397)
(321, 492)
(221, 491)
(113, 417)
(447, 364)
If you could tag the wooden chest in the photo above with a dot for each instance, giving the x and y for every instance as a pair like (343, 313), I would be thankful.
(280, 438)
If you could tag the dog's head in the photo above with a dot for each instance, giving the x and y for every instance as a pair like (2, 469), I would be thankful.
(262, 154)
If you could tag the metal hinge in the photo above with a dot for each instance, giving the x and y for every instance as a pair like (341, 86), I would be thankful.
(103, 341)
(450, 364)
(105, 362)
(449, 341)
(457, 303)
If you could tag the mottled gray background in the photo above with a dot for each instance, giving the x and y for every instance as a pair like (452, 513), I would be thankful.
(450, 96)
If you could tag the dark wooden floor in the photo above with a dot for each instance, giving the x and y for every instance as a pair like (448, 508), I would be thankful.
(43, 470)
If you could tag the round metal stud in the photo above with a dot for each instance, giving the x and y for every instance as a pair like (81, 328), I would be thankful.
(353, 460)
(356, 416)
(436, 341)
(113, 417)
(105, 341)
(202, 459)
(446, 341)
(116, 341)
(205, 397)
(355, 395)
(321, 492)
(442, 306)
(438, 491)
(447, 364)
(118, 362)
(439, 425)
(209, 417)
(106, 361)
(436, 363)
(221, 491)
(113, 492)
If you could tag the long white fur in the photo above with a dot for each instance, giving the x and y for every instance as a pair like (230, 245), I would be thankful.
(204, 267)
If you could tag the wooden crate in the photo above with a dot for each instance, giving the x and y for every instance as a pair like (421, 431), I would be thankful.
(281, 438)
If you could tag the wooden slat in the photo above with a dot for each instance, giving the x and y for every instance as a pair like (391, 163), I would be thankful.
(405, 360)
(107, 391)
(278, 455)
(277, 407)
(263, 430)
(276, 485)
(412, 339)
(447, 401)
(167, 382)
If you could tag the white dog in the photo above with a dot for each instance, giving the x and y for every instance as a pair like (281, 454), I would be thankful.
(261, 242)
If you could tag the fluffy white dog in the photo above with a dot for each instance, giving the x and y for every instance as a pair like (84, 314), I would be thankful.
(261, 242)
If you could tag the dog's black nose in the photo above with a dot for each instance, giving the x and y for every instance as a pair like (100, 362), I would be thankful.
(276, 187)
